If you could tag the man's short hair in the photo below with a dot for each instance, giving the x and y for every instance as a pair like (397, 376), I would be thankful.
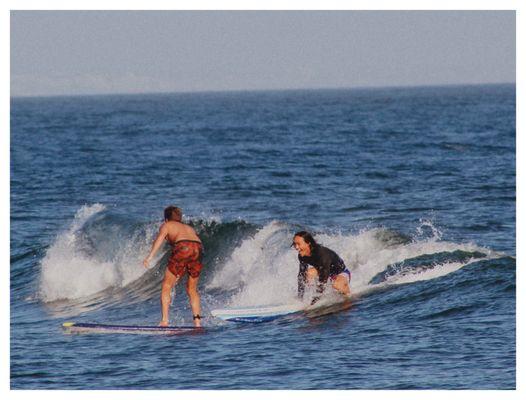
(173, 213)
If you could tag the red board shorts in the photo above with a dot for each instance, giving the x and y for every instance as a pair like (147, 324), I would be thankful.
(187, 255)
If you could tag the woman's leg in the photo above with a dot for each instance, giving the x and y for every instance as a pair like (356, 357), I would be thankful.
(341, 284)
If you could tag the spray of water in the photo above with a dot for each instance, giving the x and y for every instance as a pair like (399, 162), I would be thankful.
(68, 272)
(262, 270)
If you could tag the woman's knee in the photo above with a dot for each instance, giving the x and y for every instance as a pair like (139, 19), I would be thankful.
(312, 274)
(341, 284)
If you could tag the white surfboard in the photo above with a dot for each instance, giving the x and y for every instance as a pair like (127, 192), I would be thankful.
(256, 314)
(326, 305)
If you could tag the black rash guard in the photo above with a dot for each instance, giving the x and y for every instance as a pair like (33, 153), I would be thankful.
(326, 262)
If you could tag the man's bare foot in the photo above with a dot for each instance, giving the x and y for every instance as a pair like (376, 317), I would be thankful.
(163, 323)
(197, 321)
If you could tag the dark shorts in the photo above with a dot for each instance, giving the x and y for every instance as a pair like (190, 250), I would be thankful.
(344, 272)
(187, 256)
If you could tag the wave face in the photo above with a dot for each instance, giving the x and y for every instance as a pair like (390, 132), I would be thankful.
(94, 254)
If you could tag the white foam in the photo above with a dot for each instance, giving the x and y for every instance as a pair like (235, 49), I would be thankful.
(67, 273)
(264, 268)
(427, 274)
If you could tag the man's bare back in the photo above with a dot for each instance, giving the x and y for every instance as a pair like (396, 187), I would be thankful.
(177, 231)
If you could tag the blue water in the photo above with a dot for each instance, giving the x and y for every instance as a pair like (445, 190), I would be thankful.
(413, 187)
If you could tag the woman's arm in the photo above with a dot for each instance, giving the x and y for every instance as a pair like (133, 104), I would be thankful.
(302, 277)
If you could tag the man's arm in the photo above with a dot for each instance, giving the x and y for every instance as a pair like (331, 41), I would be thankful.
(163, 231)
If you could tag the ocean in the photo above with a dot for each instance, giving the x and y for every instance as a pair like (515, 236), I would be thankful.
(413, 187)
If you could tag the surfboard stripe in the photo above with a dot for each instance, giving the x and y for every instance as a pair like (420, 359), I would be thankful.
(73, 327)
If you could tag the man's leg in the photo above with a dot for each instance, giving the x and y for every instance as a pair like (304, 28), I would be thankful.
(166, 295)
(195, 300)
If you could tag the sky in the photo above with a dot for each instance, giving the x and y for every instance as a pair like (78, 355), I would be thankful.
(102, 52)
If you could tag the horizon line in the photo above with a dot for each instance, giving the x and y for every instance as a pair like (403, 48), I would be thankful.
(218, 91)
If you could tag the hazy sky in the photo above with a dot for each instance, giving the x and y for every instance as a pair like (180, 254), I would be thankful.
(79, 52)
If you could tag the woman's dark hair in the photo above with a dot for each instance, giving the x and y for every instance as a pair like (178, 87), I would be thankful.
(307, 237)
(173, 213)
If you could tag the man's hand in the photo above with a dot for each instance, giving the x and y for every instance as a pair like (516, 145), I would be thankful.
(146, 262)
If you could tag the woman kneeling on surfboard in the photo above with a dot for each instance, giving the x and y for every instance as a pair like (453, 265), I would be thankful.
(317, 261)
(187, 254)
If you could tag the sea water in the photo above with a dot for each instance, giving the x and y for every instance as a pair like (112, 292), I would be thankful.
(413, 187)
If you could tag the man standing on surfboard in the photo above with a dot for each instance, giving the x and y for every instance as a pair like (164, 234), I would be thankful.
(187, 254)
(317, 261)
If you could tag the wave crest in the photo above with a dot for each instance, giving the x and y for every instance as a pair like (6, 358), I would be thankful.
(97, 260)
